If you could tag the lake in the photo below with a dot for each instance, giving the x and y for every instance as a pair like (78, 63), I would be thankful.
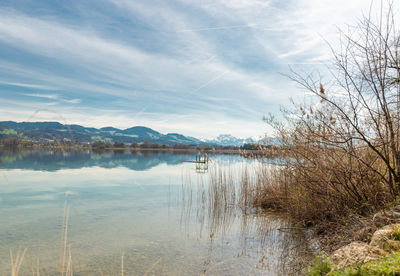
(136, 211)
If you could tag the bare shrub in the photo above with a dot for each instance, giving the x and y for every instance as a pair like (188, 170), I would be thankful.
(342, 149)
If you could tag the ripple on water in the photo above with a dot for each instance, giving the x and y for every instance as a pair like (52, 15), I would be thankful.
(146, 222)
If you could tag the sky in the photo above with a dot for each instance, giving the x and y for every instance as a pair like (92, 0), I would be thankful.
(199, 68)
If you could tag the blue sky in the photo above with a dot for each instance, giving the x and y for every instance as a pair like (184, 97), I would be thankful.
(200, 67)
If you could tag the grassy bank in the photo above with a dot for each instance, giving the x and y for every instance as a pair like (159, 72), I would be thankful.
(386, 266)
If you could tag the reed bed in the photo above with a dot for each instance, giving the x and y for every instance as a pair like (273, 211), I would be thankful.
(217, 196)
(228, 193)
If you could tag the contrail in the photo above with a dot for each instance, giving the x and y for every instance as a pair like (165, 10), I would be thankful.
(137, 114)
(218, 28)
(208, 83)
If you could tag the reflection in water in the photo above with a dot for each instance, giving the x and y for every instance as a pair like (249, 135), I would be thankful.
(57, 160)
(75, 159)
(202, 161)
(268, 242)
(156, 211)
(201, 167)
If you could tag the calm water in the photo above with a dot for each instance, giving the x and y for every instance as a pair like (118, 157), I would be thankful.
(135, 205)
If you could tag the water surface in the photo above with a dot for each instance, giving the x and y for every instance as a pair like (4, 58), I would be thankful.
(136, 205)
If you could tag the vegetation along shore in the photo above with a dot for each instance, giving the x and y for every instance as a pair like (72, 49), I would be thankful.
(339, 170)
(341, 174)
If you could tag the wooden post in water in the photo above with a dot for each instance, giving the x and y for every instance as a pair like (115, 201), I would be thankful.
(201, 162)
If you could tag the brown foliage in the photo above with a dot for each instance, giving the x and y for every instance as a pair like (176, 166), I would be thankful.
(342, 149)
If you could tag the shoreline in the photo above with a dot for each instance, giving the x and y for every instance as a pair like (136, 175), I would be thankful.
(88, 147)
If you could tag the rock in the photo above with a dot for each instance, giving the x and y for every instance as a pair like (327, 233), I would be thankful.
(387, 217)
(387, 238)
(313, 242)
(355, 253)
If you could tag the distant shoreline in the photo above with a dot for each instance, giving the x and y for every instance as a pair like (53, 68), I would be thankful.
(184, 150)
(60, 146)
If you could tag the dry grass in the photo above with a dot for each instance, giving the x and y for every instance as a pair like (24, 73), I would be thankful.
(341, 146)
(63, 242)
(317, 191)
(151, 268)
(17, 263)
(225, 189)
(122, 265)
(231, 192)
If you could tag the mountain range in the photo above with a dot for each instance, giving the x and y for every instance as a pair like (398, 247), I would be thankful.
(55, 131)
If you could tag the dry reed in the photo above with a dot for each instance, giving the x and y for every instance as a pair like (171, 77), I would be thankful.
(122, 265)
(17, 263)
(63, 242)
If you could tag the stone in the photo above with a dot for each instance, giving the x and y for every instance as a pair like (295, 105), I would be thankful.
(355, 253)
(387, 238)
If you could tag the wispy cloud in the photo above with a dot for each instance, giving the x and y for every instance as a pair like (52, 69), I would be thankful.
(54, 97)
(250, 25)
(46, 96)
(72, 101)
(27, 85)
(163, 63)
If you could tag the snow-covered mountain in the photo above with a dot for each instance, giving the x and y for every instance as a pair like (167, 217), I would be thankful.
(230, 140)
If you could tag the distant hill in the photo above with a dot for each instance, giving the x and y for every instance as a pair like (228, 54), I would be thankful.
(55, 131)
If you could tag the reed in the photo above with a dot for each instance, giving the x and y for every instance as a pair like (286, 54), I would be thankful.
(227, 193)
(245, 187)
(218, 195)
(151, 268)
(122, 265)
(65, 260)
(17, 263)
